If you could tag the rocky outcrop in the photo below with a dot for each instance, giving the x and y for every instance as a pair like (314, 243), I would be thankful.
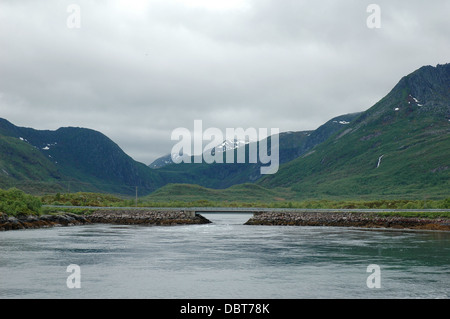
(350, 219)
(32, 221)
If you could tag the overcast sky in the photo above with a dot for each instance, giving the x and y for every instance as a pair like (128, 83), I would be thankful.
(137, 69)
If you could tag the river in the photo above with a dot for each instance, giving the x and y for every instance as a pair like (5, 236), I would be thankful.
(225, 259)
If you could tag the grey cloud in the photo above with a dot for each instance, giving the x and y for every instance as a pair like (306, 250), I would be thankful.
(136, 76)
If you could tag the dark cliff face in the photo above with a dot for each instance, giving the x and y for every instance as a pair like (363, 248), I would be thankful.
(423, 94)
(428, 89)
(428, 83)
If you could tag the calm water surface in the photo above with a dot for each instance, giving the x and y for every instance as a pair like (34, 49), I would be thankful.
(225, 259)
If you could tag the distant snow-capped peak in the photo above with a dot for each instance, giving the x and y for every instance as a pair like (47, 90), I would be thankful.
(231, 144)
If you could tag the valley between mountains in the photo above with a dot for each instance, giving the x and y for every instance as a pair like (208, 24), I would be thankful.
(397, 149)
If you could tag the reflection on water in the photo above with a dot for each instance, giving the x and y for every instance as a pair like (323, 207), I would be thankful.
(225, 259)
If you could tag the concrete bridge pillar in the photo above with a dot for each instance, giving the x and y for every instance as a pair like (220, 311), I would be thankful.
(190, 213)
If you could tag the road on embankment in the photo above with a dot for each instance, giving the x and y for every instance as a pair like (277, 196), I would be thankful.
(261, 209)
(368, 218)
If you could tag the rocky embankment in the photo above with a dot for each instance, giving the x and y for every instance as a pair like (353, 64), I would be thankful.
(344, 219)
(122, 217)
(145, 217)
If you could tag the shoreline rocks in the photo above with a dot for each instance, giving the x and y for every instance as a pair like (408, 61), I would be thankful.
(171, 218)
(145, 217)
(342, 219)
(43, 221)
(131, 217)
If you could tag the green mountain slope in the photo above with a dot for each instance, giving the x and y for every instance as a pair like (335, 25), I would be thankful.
(73, 158)
(223, 175)
(21, 162)
(198, 195)
(398, 148)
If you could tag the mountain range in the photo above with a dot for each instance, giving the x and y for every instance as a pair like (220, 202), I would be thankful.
(398, 148)
(226, 145)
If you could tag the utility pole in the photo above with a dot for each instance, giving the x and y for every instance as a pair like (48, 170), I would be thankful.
(136, 195)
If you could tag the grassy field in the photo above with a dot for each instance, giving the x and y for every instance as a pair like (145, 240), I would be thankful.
(233, 197)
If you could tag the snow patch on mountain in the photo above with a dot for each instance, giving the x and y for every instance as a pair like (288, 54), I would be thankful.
(47, 147)
(341, 122)
(228, 145)
(225, 146)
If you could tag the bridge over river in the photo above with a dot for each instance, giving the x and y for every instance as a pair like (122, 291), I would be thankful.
(275, 216)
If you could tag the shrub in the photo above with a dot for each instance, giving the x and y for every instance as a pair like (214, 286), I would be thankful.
(81, 199)
(14, 202)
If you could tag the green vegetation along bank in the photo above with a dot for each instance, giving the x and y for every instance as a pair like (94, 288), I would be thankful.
(19, 210)
(236, 200)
